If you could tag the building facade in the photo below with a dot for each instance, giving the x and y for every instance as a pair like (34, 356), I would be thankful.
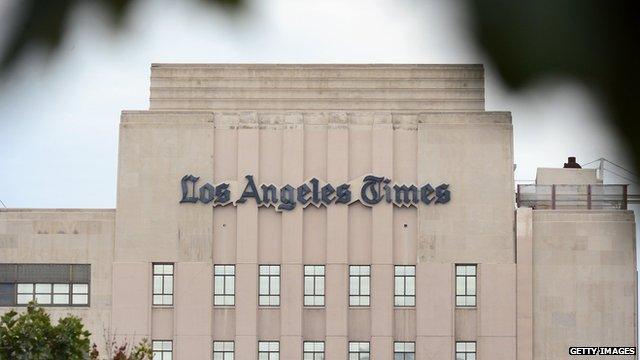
(329, 212)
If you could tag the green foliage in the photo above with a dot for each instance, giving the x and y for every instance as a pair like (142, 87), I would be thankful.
(142, 351)
(43, 23)
(592, 42)
(32, 336)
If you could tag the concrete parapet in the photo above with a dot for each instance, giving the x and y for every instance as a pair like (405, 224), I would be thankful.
(322, 87)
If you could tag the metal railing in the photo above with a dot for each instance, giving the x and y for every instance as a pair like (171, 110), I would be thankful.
(594, 196)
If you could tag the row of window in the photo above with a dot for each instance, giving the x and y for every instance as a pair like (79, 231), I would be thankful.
(53, 294)
(46, 284)
(314, 285)
(312, 350)
(45, 293)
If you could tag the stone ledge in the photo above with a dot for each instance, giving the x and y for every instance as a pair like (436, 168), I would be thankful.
(583, 215)
(320, 70)
(298, 119)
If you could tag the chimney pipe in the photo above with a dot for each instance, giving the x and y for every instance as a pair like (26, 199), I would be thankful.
(571, 163)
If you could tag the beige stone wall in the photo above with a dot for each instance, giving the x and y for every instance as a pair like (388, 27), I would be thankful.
(303, 87)
(158, 148)
(65, 237)
(584, 281)
(553, 176)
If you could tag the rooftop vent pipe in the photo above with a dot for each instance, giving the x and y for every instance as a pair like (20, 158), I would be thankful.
(572, 164)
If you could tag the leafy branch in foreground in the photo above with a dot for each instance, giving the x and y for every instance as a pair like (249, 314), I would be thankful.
(31, 336)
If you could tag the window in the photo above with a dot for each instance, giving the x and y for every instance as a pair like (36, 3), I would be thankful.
(53, 294)
(269, 294)
(46, 284)
(268, 350)
(7, 294)
(404, 350)
(358, 350)
(223, 350)
(405, 284)
(359, 280)
(162, 349)
(25, 293)
(61, 293)
(43, 293)
(314, 285)
(466, 285)
(465, 350)
(224, 278)
(313, 350)
(163, 284)
(80, 294)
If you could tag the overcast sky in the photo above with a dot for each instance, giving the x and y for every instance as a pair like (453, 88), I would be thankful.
(59, 117)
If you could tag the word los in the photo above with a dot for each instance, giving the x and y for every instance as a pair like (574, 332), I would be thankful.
(602, 350)
(371, 190)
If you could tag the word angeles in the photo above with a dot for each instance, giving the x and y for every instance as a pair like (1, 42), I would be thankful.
(370, 190)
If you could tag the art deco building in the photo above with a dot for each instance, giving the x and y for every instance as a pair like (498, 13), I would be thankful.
(331, 212)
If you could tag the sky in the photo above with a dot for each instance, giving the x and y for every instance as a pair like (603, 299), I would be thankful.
(59, 115)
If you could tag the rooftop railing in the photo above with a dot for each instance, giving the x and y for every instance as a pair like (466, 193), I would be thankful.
(594, 196)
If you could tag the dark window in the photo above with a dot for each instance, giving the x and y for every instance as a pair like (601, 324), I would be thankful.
(46, 284)
(7, 294)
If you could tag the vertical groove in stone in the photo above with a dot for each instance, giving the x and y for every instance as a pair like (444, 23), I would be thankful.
(337, 286)
(247, 235)
(292, 232)
(382, 154)
(359, 216)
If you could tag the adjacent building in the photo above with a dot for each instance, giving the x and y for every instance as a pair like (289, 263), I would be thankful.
(331, 212)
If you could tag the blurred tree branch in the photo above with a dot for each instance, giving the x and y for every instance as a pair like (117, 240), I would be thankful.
(593, 41)
(43, 22)
(596, 42)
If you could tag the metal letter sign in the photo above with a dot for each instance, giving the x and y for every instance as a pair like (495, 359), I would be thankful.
(371, 190)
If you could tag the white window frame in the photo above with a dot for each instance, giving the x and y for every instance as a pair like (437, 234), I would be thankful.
(360, 285)
(80, 294)
(314, 285)
(224, 288)
(466, 350)
(162, 349)
(404, 350)
(223, 350)
(405, 285)
(49, 294)
(359, 350)
(163, 284)
(25, 293)
(63, 291)
(466, 285)
(268, 350)
(313, 350)
(269, 285)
